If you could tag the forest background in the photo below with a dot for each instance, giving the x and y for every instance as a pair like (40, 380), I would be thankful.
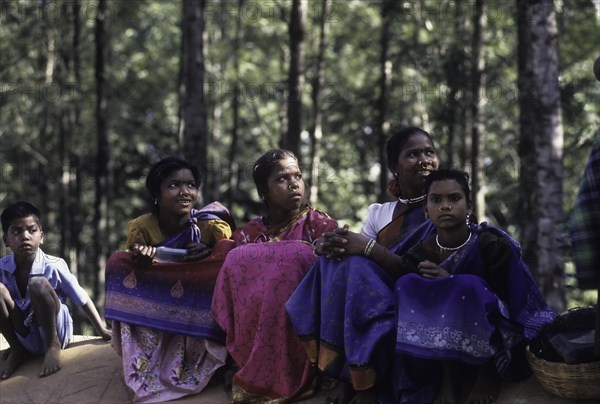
(93, 92)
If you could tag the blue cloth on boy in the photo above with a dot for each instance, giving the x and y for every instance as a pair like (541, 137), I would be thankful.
(65, 284)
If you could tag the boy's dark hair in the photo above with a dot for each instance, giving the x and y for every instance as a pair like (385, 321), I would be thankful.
(397, 141)
(449, 174)
(264, 166)
(18, 210)
(159, 171)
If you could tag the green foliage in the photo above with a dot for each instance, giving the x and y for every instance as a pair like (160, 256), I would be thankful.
(38, 100)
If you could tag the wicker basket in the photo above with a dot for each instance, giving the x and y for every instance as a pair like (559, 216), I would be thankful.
(580, 381)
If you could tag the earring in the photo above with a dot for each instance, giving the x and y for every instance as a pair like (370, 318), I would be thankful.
(156, 201)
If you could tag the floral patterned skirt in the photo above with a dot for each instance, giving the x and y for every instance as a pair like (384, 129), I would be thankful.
(160, 366)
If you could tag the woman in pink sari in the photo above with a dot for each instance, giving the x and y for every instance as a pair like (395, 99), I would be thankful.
(272, 255)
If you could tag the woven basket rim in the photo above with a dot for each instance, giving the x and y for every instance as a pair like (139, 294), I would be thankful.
(579, 381)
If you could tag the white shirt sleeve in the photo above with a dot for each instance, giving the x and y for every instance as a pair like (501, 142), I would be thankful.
(378, 216)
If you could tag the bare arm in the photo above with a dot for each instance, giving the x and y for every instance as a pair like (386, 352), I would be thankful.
(389, 261)
(90, 310)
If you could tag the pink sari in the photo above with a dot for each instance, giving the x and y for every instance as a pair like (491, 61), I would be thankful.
(255, 281)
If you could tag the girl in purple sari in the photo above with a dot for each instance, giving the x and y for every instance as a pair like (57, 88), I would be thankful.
(344, 308)
(272, 256)
(467, 307)
(160, 312)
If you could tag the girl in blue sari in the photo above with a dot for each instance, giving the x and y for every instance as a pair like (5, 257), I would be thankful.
(466, 304)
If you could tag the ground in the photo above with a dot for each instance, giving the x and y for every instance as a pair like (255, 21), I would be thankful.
(92, 373)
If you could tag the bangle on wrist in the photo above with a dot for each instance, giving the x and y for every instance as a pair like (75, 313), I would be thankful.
(369, 247)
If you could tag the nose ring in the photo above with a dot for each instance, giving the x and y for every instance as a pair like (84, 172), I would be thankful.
(292, 187)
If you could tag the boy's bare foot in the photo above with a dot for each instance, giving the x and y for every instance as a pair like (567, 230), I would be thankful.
(12, 360)
(486, 386)
(52, 362)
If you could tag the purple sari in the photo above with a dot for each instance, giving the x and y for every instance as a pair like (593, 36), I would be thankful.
(344, 311)
(162, 324)
(462, 318)
(192, 234)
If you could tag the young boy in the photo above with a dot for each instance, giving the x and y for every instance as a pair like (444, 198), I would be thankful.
(33, 289)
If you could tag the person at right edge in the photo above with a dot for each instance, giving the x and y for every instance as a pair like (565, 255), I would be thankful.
(584, 226)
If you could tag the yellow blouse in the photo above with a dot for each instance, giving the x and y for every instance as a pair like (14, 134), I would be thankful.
(146, 230)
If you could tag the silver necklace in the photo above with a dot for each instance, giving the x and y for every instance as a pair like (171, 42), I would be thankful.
(412, 200)
(437, 241)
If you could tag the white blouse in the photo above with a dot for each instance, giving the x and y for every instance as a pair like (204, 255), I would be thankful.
(378, 216)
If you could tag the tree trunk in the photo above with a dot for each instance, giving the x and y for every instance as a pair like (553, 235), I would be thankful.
(65, 124)
(385, 71)
(541, 147)
(46, 126)
(455, 77)
(75, 183)
(193, 126)
(477, 105)
(235, 109)
(291, 140)
(316, 132)
(102, 154)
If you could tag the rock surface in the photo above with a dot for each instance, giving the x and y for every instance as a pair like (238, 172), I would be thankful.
(92, 373)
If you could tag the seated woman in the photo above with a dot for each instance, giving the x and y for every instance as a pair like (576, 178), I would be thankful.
(272, 256)
(344, 308)
(467, 307)
(160, 312)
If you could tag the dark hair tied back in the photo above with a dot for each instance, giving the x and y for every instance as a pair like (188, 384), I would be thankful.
(396, 143)
(449, 174)
(164, 168)
(263, 167)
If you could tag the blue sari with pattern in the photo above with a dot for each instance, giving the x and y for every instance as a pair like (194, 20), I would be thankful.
(461, 317)
(344, 310)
